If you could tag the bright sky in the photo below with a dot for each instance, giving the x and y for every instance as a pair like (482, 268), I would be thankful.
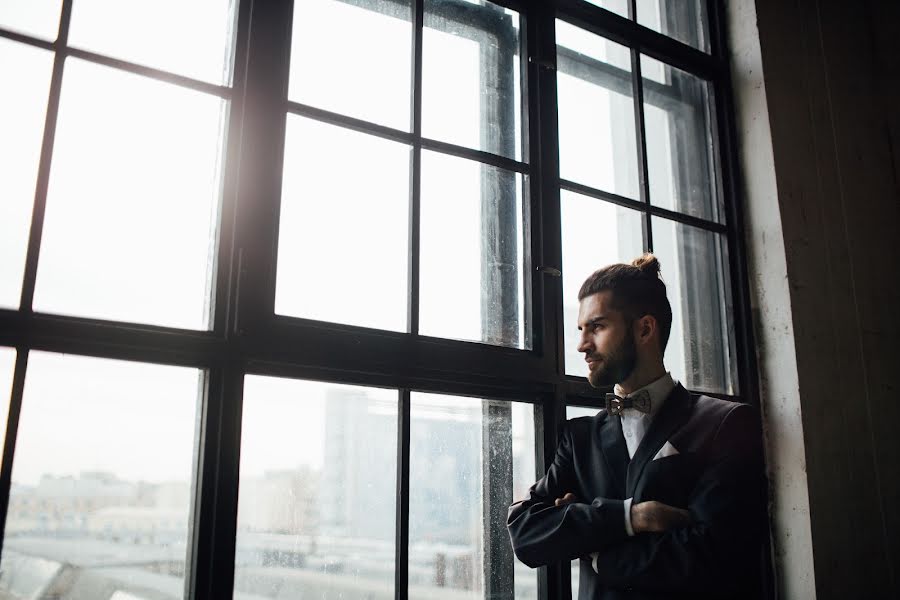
(85, 414)
(135, 182)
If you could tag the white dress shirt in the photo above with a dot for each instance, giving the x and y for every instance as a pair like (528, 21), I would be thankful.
(635, 424)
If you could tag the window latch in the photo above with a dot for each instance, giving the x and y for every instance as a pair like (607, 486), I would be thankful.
(543, 63)
(550, 271)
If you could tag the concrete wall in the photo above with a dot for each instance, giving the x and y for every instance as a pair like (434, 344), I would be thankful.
(818, 108)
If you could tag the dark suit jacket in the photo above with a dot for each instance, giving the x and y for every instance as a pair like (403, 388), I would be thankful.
(717, 476)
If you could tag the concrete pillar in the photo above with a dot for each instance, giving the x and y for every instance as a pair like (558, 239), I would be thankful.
(816, 91)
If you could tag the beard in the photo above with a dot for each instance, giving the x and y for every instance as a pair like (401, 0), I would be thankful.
(616, 366)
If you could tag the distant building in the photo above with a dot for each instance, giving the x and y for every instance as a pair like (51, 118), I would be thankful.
(283, 502)
(62, 504)
(359, 475)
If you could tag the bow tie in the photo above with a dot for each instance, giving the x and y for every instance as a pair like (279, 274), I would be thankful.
(639, 401)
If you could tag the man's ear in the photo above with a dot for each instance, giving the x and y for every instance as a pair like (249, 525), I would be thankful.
(645, 329)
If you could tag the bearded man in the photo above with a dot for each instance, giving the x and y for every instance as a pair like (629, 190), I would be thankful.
(661, 493)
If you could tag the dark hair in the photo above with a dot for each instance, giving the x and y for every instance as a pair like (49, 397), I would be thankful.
(637, 290)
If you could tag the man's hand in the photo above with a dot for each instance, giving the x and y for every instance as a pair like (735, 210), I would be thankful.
(568, 498)
(653, 516)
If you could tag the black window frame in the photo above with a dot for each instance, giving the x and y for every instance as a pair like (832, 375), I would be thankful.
(246, 337)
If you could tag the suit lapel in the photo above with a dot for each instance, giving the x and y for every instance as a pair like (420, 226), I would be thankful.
(671, 417)
(615, 452)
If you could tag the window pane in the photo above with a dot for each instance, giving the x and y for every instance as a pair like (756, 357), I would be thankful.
(25, 72)
(594, 234)
(694, 265)
(101, 479)
(470, 76)
(467, 455)
(597, 140)
(306, 529)
(471, 257)
(344, 231)
(197, 35)
(39, 18)
(684, 20)
(354, 58)
(574, 412)
(131, 209)
(679, 143)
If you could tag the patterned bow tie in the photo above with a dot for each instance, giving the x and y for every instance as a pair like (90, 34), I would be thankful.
(639, 401)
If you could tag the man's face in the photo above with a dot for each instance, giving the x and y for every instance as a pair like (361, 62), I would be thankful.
(606, 340)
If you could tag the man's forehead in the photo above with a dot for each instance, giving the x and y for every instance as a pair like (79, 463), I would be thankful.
(596, 306)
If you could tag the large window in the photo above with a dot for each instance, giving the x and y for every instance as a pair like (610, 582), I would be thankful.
(287, 288)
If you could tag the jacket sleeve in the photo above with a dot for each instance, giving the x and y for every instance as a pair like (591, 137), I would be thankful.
(542, 533)
(719, 551)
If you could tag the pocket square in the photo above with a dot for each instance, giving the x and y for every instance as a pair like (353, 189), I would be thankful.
(667, 450)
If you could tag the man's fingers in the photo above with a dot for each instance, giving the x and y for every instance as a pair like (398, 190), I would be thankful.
(567, 498)
(658, 517)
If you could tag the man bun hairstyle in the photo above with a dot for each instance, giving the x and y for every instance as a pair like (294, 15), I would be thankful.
(637, 290)
(648, 264)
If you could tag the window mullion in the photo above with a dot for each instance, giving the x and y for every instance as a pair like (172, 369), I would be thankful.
(224, 285)
(243, 299)
(415, 171)
(546, 243)
(12, 429)
(43, 178)
(401, 569)
(639, 127)
(543, 144)
(214, 508)
(260, 169)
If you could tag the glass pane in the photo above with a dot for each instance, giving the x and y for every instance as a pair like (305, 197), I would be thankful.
(597, 139)
(620, 7)
(101, 479)
(680, 157)
(197, 35)
(575, 577)
(39, 18)
(306, 530)
(470, 76)
(467, 455)
(694, 265)
(343, 237)
(131, 209)
(594, 234)
(471, 252)
(684, 20)
(354, 58)
(574, 412)
(25, 72)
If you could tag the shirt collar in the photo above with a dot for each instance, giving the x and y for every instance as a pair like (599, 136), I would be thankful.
(659, 390)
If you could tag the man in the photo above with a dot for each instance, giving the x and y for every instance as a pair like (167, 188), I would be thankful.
(660, 494)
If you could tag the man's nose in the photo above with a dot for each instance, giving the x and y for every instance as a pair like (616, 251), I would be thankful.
(583, 343)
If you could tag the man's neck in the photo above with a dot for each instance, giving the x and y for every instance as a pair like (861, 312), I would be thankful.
(642, 377)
